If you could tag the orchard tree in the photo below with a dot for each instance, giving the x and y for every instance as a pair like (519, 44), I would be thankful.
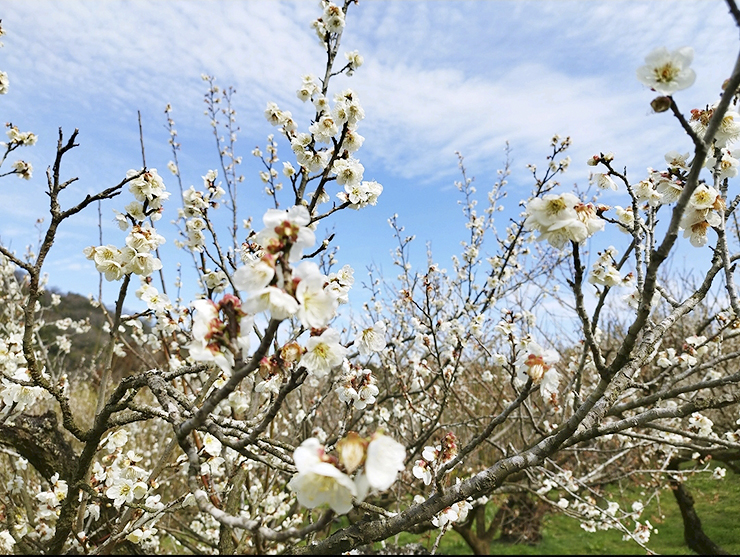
(251, 420)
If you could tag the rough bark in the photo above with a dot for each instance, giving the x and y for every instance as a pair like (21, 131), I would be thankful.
(39, 440)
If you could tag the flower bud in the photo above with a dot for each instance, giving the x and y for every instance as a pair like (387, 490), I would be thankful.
(352, 451)
(661, 104)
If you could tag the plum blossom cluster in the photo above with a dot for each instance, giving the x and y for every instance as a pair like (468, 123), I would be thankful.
(593, 515)
(729, 128)
(49, 506)
(332, 138)
(357, 386)
(700, 424)
(330, 23)
(273, 285)
(361, 466)
(17, 138)
(562, 218)
(704, 211)
(434, 457)
(137, 255)
(194, 210)
(604, 272)
(454, 513)
(340, 283)
(536, 363)
(17, 390)
(149, 192)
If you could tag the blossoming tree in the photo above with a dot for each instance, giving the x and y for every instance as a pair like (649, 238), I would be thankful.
(253, 422)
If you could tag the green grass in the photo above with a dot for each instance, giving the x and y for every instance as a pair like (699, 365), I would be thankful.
(717, 502)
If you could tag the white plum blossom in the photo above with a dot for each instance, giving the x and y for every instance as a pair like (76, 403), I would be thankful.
(148, 187)
(211, 445)
(371, 339)
(677, 160)
(384, 460)
(323, 353)
(325, 129)
(668, 187)
(727, 167)
(255, 275)
(348, 171)
(125, 490)
(700, 424)
(625, 218)
(7, 542)
(350, 107)
(288, 169)
(423, 470)
(728, 130)
(354, 59)
(704, 197)
(549, 386)
(333, 18)
(668, 71)
(533, 362)
(313, 161)
(286, 229)
(357, 387)
(17, 137)
(457, 512)
(273, 114)
(604, 181)
(352, 141)
(318, 481)
(700, 215)
(20, 396)
(645, 191)
(340, 283)
(115, 440)
(279, 303)
(308, 88)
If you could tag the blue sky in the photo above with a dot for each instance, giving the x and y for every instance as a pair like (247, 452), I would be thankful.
(438, 77)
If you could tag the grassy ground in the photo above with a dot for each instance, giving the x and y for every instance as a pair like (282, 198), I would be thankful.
(717, 502)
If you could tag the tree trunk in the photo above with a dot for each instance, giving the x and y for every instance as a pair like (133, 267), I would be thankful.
(695, 537)
(479, 539)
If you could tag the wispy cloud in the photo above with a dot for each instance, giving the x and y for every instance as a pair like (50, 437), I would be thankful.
(440, 76)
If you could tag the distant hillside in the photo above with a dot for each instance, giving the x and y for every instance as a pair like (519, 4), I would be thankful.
(82, 361)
